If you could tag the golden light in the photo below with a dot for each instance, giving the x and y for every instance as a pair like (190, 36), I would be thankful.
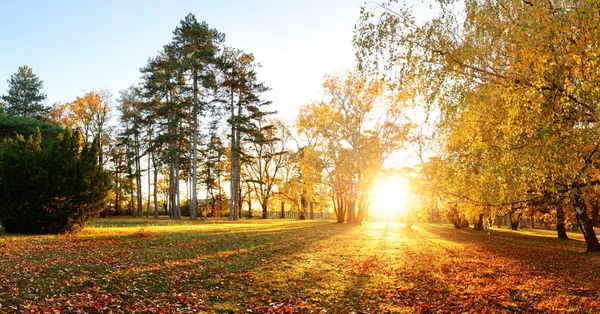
(390, 198)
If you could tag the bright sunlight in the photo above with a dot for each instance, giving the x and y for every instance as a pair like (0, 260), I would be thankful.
(390, 198)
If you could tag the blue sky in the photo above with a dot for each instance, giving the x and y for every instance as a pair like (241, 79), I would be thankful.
(78, 46)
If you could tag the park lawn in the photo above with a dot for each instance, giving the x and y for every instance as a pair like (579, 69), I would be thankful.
(288, 266)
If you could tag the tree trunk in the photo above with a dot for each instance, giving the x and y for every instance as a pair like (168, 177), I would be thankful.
(282, 209)
(240, 203)
(138, 176)
(117, 190)
(302, 208)
(514, 224)
(585, 223)
(155, 186)
(340, 209)
(456, 218)
(560, 222)
(149, 177)
(194, 187)
(479, 224)
(177, 192)
(234, 185)
(249, 208)
(132, 200)
(172, 187)
(351, 209)
(264, 207)
(465, 223)
(312, 213)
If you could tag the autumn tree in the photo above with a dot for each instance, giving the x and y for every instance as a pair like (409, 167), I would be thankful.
(90, 114)
(265, 153)
(484, 57)
(357, 126)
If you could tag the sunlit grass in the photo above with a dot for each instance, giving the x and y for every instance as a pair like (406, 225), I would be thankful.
(299, 266)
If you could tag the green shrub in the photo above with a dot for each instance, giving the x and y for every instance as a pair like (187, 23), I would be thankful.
(11, 125)
(51, 190)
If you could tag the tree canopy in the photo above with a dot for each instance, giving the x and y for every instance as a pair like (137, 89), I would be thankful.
(24, 96)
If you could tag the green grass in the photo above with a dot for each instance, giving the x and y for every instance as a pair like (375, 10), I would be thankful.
(127, 265)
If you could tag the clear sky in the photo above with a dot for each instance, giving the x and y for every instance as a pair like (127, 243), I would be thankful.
(77, 46)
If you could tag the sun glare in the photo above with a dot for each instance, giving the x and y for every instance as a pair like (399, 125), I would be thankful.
(390, 197)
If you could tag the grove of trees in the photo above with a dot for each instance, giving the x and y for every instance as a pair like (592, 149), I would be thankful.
(513, 88)
(507, 92)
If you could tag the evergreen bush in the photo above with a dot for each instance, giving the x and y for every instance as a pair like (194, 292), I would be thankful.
(51, 190)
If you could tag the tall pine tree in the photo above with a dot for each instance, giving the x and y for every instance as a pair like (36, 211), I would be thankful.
(25, 95)
(241, 93)
(196, 45)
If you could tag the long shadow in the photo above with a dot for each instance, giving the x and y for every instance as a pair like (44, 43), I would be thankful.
(468, 270)
(526, 263)
(218, 261)
(411, 289)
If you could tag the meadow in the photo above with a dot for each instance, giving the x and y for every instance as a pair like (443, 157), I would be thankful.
(290, 266)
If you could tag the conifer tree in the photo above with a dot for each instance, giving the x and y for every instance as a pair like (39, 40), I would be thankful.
(241, 93)
(25, 95)
(197, 44)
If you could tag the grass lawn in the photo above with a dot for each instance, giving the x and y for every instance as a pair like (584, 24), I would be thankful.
(288, 266)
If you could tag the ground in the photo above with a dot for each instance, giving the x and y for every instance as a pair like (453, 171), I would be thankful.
(287, 266)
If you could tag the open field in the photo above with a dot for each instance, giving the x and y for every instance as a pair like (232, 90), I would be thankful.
(288, 266)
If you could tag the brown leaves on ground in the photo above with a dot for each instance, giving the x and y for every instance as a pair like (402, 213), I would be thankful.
(297, 267)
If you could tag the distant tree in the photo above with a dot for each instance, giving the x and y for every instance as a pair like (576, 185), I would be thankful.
(51, 190)
(25, 95)
(164, 83)
(357, 127)
(214, 155)
(241, 95)
(90, 114)
(118, 157)
(130, 138)
(266, 158)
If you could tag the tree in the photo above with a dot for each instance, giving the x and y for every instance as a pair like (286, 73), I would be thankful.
(51, 190)
(118, 157)
(131, 139)
(484, 59)
(25, 95)
(212, 169)
(266, 156)
(197, 45)
(358, 125)
(164, 83)
(90, 114)
(241, 93)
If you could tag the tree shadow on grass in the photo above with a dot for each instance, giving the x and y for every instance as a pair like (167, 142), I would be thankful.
(525, 271)
(417, 280)
(207, 269)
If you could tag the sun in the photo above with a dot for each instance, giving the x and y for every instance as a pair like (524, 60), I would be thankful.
(390, 197)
